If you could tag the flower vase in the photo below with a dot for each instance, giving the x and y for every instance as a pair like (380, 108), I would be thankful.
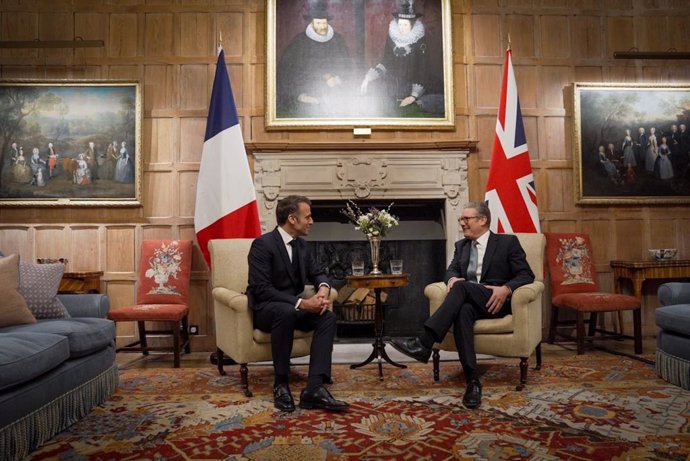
(374, 243)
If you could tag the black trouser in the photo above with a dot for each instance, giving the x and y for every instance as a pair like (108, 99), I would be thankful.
(463, 306)
(281, 320)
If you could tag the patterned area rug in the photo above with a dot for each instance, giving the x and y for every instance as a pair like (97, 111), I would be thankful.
(577, 408)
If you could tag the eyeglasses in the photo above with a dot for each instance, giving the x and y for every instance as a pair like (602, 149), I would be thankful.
(466, 219)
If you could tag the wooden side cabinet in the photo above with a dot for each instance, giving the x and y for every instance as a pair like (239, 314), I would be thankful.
(80, 282)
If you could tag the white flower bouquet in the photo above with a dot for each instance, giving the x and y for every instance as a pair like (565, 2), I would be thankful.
(374, 223)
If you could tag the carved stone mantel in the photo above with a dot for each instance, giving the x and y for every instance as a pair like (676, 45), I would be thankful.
(377, 172)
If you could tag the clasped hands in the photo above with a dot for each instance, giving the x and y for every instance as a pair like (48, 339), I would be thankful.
(318, 303)
(499, 295)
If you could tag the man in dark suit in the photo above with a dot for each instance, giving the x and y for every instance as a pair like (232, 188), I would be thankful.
(279, 267)
(485, 270)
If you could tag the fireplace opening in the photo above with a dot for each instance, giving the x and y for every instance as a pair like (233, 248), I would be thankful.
(419, 241)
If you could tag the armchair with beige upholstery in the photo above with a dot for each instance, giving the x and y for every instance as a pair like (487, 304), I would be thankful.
(236, 336)
(516, 335)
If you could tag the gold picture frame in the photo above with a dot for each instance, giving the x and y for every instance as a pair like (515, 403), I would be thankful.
(70, 143)
(356, 47)
(615, 159)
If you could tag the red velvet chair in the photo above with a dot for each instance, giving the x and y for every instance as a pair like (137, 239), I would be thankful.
(162, 294)
(574, 286)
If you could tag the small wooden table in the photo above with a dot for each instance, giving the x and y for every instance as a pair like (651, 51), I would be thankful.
(80, 282)
(639, 271)
(378, 282)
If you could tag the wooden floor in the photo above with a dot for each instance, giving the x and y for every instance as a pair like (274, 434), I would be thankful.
(357, 352)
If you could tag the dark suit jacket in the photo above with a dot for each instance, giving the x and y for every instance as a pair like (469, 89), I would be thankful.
(504, 263)
(270, 274)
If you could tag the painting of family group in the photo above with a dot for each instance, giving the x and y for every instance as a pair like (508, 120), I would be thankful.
(74, 142)
(376, 62)
(634, 142)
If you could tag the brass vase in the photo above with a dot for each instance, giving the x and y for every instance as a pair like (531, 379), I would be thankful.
(375, 243)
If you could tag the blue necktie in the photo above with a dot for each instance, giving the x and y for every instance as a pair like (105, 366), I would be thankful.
(472, 266)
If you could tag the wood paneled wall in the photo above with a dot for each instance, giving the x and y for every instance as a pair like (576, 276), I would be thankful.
(170, 47)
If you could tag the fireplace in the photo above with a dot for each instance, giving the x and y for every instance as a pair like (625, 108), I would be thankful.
(419, 241)
(427, 185)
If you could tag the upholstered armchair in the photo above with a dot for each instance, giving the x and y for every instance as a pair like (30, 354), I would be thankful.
(236, 336)
(516, 335)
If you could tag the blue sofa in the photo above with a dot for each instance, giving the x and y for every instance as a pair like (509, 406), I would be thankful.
(53, 372)
(673, 336)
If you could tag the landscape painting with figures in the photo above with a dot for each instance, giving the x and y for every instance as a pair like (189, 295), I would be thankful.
(632, 143)
(70, 143)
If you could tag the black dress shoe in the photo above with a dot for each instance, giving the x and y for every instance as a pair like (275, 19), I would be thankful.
(321, 399)
(473, 394)
(282, 398)
(412, 347)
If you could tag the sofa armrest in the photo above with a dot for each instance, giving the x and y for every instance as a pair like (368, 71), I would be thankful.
(86, 305)
(674, 293)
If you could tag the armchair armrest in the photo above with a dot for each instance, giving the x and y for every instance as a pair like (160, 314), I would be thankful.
(86, 305)
(523, 296)
(674, 293)
(527, 293)
(232, 299)
(436, 294)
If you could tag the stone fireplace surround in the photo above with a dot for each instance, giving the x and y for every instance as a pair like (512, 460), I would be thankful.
(430, 176)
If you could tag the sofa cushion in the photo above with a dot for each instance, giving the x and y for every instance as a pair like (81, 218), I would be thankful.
(84, 335)
(13, 308)
(39, 284)
(674, 318)
(25, 356)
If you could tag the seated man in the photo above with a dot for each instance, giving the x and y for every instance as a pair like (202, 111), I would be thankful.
(279, 267)
(485, 270)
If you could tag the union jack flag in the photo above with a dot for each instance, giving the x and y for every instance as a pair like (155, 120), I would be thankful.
(510, 191)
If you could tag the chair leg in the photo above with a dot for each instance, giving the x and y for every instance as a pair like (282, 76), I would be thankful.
(176, 344)
(592, 324)
(219, 357)
(580, 322)
(621, 331)
(185, 334)
(437, 361)
(142, 337)
(538, 353)
(244, 379)
(637, 327)
(553, 324)
(523, 374)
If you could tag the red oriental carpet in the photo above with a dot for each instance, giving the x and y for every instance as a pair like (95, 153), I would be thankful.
(576, 408)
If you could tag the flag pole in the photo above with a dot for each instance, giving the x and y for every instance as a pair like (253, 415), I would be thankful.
(508, 42)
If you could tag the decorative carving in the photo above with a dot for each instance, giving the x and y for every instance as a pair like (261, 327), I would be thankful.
(454, 178)
(362, 175)
(267, 178)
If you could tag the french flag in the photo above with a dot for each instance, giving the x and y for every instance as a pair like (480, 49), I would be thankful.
(225, 195)
(510, 191)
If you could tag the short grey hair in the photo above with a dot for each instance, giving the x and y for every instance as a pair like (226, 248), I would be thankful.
(482, 210)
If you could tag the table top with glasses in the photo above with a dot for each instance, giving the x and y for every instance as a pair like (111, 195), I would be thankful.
(378, 281)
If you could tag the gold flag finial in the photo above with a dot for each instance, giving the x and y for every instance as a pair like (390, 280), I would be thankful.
(509, 40)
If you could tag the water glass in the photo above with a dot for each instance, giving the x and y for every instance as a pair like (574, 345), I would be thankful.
(396, 266)
(357, 267)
